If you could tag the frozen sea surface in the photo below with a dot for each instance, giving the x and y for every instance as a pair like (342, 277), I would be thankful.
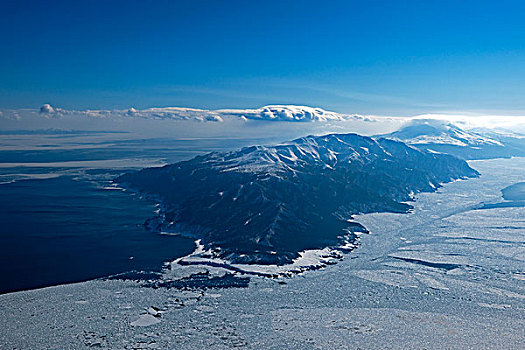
(449, 275)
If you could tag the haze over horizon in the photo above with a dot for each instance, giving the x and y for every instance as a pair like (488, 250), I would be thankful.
(373, 57)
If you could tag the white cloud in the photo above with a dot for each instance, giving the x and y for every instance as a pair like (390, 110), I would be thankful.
(470, 121)
(289, 113)
(286, 113)
(167, 113)
(47, 109)
(274, 119)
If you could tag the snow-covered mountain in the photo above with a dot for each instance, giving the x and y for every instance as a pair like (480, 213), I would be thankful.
(445, 137)
(265, 204)
(430, 131)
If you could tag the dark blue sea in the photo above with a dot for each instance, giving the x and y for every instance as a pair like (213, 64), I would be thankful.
(60, 222)
(69, 229)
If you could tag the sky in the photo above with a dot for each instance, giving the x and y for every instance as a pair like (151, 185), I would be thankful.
(367, 57)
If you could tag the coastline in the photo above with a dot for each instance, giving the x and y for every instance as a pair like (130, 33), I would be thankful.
(367, 300)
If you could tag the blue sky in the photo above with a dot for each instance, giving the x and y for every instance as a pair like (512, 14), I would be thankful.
(369, 57)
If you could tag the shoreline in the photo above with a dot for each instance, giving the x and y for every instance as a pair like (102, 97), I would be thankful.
(368, 300)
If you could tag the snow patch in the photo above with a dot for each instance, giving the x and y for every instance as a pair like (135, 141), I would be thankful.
(145, 321)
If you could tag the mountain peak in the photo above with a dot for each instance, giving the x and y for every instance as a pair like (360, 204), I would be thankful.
(445, 137)
(432, 131)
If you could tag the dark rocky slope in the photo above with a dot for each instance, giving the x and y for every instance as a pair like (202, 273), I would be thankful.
(266, 204)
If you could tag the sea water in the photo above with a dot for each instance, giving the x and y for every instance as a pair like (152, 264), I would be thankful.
(63, 221)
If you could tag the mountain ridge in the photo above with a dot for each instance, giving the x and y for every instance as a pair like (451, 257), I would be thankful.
(265, 204)
(445, 137)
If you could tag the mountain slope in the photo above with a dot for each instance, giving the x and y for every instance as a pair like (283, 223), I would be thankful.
(265, 204)
(444, 137)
